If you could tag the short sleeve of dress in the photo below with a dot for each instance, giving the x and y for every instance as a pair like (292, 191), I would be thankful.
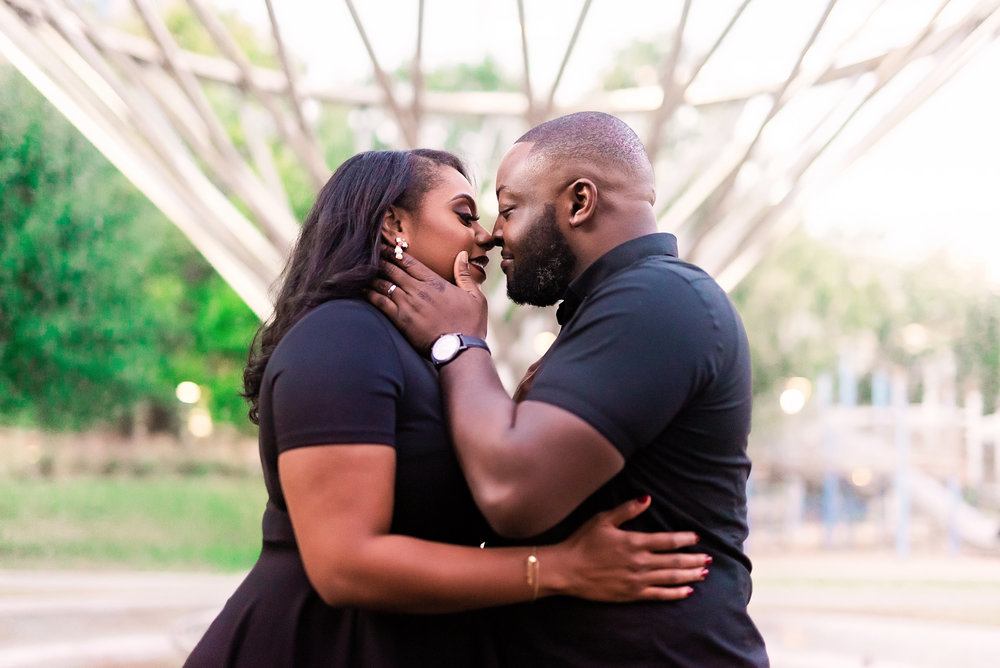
(637, 349)
(336, 378)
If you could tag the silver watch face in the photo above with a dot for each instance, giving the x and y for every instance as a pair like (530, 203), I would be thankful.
(445, 347)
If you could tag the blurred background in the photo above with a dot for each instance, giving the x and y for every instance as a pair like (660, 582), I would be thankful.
(832, 163)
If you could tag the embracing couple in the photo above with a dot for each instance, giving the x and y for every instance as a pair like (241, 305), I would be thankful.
(418, 515)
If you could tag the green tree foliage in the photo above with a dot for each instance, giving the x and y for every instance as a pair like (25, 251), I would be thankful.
(336, 139)
(191, 35)
(810, 300)
(636, 64)
(228, 104)
(103, 304)
(979, 348)
(484, 76)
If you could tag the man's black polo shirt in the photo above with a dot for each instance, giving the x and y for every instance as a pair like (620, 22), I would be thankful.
(653, 355)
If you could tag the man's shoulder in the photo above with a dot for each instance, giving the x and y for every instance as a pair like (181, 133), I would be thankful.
(662, 279)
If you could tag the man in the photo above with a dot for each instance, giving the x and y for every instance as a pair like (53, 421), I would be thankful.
(646, 390)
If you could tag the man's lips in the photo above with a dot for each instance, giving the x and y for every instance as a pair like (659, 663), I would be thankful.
(505, 261)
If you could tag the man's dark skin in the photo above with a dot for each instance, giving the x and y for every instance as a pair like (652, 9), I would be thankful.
(529, 463)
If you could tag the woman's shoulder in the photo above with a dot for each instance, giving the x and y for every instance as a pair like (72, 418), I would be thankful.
(341, 315)
(351, 323)
(347, 307)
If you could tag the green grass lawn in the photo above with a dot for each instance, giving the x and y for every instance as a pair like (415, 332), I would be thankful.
(156, 522)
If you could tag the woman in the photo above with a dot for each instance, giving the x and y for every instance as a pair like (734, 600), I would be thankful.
(369, 518)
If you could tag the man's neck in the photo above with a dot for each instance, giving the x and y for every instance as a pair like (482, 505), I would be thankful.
(612, 231)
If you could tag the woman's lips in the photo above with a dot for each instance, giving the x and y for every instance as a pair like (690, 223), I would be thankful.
(479, 264)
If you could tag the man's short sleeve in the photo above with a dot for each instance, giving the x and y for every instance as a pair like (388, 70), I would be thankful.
(336, 379)
(640, 345)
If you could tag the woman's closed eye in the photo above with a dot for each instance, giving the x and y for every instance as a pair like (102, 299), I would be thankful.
(467, 218)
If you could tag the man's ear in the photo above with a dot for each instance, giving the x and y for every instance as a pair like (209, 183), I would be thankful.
(393, 225)
(582, 195)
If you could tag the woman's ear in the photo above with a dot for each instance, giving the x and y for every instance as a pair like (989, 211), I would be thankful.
(582, 195)
(393, 225)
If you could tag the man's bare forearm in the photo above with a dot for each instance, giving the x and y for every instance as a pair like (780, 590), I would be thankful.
(529, 464)
(482, 418)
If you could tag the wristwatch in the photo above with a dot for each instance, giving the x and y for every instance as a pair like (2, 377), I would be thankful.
(449, 346)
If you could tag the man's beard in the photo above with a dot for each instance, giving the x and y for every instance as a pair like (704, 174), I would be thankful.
(543, 267)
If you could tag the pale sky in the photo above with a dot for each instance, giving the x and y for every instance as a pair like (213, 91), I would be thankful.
(931, 182)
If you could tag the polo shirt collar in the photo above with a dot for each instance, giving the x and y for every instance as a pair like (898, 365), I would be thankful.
(616, 259)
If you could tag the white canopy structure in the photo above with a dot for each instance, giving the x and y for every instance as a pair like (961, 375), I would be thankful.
(731, 164)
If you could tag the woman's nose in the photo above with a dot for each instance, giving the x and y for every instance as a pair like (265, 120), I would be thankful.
(483, 238)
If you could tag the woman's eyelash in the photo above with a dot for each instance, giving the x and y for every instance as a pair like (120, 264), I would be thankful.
(468, 217)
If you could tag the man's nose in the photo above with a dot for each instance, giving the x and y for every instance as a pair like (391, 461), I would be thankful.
(498, 233)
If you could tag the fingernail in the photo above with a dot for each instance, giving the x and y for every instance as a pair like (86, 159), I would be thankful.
(708, 560)
(644, 498)
(688, 591)
(704, 573)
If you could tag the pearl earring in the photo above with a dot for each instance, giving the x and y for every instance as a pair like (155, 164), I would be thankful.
(401, 245)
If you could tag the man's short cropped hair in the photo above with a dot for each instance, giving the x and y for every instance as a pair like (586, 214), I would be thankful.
(594, 137)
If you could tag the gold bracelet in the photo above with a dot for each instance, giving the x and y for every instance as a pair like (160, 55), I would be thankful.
(531, 566)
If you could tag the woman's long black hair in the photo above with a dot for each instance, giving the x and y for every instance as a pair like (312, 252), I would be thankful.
(337, 252)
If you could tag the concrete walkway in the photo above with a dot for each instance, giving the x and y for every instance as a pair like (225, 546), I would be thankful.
(846, 610)
(816, 610)
(88, 619)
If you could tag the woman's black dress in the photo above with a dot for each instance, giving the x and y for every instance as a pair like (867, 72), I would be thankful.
(343, 375)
